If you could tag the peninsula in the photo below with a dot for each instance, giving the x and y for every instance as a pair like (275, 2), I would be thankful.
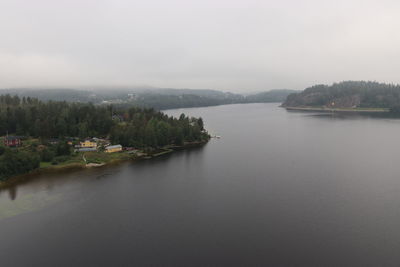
(53, 135)
(348, 96)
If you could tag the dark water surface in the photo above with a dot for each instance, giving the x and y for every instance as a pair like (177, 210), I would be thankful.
(279, 188)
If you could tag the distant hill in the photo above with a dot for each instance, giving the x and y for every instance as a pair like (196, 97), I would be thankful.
(69, 95)
(158, 98)
(277, 95)
(348, 94)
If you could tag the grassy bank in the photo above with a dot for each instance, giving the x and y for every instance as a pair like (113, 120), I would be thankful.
(95, 159)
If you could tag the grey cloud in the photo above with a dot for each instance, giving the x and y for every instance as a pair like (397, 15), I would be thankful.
(230, 45)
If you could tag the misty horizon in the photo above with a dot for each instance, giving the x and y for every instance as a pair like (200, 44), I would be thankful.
(236, 46)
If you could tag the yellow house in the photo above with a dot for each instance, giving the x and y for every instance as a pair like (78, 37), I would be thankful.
(88, 143)
(112, 149)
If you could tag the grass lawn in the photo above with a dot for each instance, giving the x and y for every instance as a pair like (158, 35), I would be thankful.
(102, 157)
(74, 159)
(45, 164)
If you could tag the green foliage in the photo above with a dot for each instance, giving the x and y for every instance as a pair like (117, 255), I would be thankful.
(147, 128)
(63, 149)
(46, 155)
(140, 127)
(59, 159)
(52, 119)
(14, 162)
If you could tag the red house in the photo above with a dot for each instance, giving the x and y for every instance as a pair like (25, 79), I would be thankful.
(12, 141)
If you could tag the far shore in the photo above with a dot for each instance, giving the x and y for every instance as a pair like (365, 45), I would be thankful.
(81, 165)
(326, 109)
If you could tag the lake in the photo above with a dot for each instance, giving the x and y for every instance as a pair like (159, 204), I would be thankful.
(279, 188)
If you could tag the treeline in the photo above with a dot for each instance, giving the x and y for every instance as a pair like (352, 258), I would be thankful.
(13, 162)
(31, 117)
(348, 94)
(132, 126)
(159, 99)
(22, 160)
(159, 130)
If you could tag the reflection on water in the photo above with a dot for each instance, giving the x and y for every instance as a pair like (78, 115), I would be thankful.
(12, 192)
(41, 191)
(348, 115)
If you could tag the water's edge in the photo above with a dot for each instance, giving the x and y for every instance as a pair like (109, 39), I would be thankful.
(15, 180)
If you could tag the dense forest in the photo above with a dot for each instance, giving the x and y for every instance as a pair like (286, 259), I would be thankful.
(131, 127)
(348, 94)
(31, 117)
(159, 99)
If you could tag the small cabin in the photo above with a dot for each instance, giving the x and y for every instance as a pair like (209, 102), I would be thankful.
(12, 141)
(88, 143)
(112, 149)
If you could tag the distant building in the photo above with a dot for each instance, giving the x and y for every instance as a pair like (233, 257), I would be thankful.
(12, 141)
(112, 149)
(88, 143)
(54, 141)
(70, 140)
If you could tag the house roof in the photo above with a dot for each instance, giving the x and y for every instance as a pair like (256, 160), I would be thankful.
(89, 140)
(10, 138)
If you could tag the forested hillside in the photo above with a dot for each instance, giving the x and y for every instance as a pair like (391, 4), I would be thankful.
(159, 99)
(348, 94)
(278, 95)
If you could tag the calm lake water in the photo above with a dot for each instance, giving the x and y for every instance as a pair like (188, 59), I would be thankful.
(279, 188)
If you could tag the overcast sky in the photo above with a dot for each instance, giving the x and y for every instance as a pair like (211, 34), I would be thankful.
(233, 45)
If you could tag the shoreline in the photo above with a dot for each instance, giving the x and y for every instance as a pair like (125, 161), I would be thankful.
(228, 104)
(325, 109)
(14, 180)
